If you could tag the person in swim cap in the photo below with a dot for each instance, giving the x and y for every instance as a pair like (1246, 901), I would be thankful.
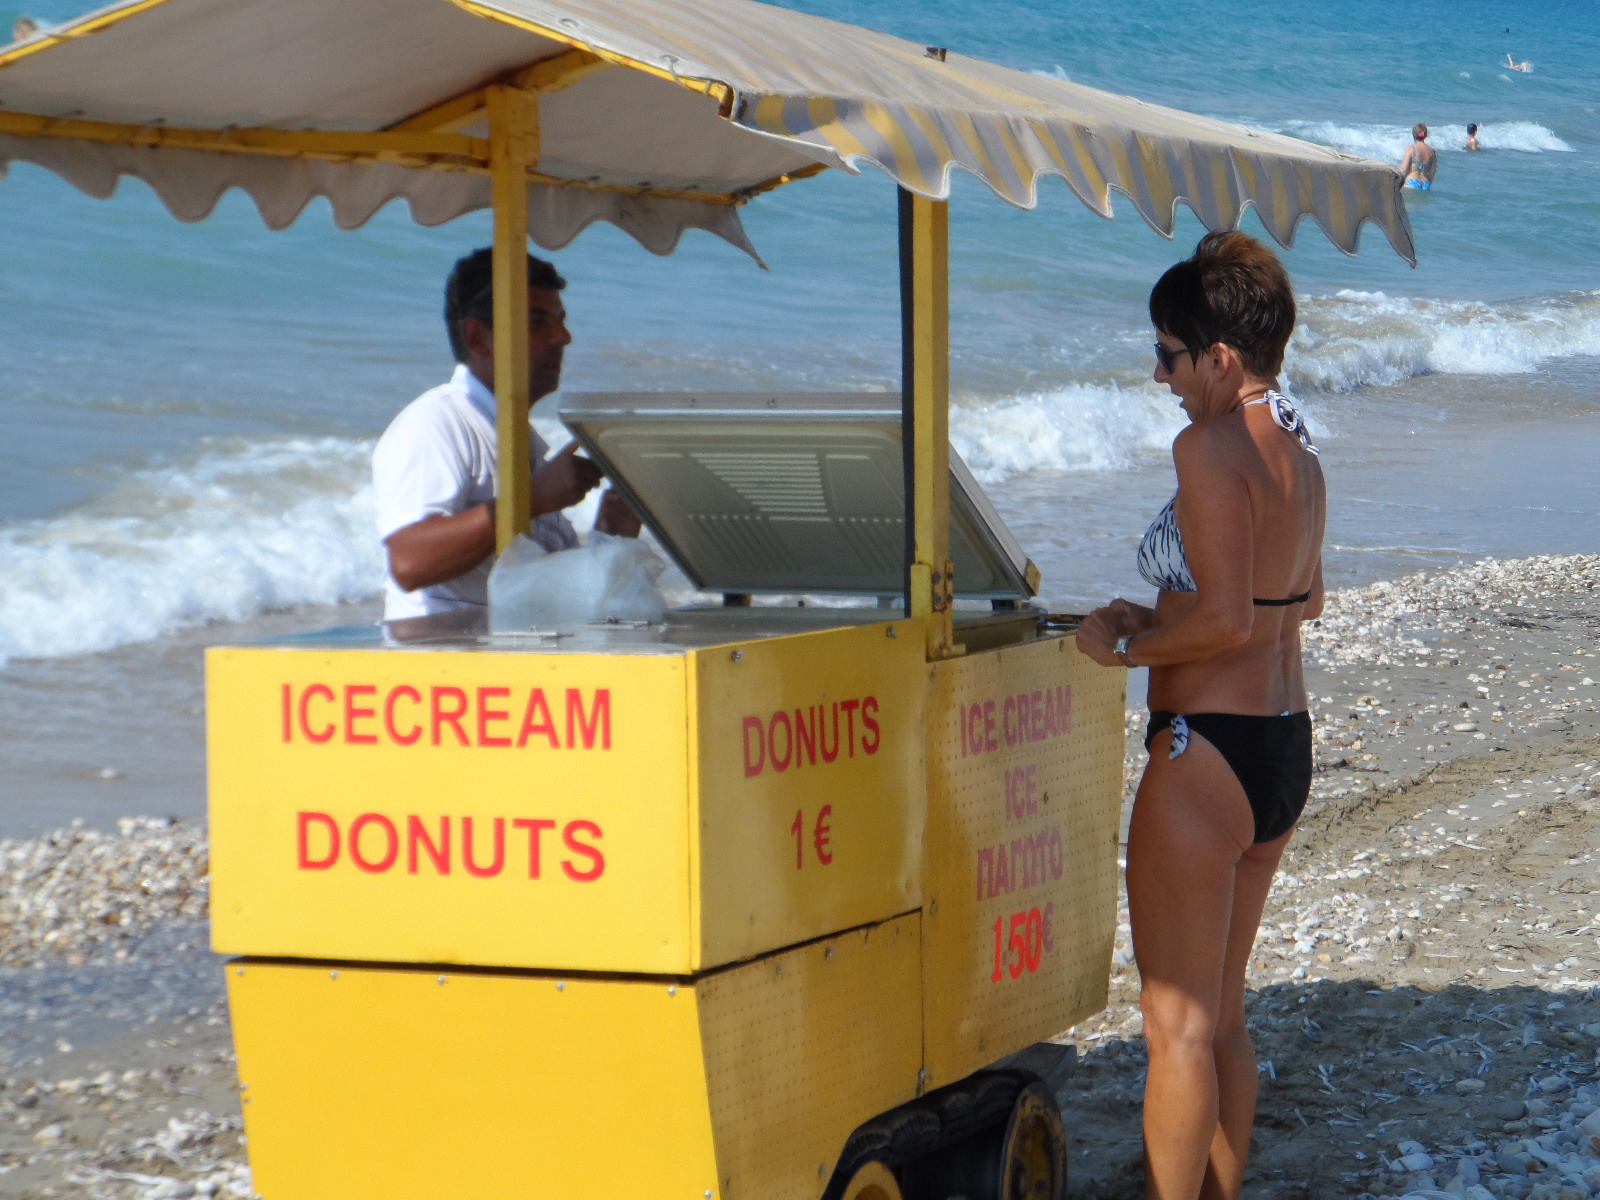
(1420, 160)
(1472, 137)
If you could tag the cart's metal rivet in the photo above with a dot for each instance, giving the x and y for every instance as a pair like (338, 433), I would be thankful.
(890, 631)
(922, 1075)
(708, 1194)
(561, 985)
(240, 971)
(333, 974)
(738, 656)
(672, 991)
(828, 953)
(441, 979)
(243, 1085)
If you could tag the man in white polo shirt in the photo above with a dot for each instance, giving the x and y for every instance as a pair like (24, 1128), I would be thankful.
(434, 474)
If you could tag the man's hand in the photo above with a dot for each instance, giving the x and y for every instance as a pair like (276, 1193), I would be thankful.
(562, 481)
(616, 516)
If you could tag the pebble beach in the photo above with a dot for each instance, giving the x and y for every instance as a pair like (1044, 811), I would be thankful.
(1425, 996)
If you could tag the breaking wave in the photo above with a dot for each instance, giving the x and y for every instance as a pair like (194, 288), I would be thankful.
(1079, 428)
(1356, 339)
(1388, 142)
(241, 529)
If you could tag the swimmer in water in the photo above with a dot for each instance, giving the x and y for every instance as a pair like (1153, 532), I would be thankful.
(1472, 137)
(1420, 160)
(1524, 66)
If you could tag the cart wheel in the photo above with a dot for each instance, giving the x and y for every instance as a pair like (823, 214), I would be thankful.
(872, 1181)
(1033, 1154)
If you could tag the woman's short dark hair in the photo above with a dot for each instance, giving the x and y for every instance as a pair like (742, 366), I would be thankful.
(469, 292)
(1233, 290)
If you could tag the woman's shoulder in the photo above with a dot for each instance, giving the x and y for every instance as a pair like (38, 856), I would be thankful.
(1204, 437)
(1208, 446)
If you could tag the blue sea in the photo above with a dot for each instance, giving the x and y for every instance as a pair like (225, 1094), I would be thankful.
(187, 411)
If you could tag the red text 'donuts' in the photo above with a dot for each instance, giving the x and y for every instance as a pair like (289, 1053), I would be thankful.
(803, 737)
(375, 843)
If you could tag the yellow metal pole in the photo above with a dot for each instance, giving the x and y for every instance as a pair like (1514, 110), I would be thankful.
(513, 148)
(925, 405)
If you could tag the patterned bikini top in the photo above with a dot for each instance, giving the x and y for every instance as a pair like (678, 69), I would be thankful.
(1162, 561)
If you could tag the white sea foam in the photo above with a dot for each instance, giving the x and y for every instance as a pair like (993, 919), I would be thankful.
(1356, 339)
(240, 529)
(1079, 428)
(1388, 142)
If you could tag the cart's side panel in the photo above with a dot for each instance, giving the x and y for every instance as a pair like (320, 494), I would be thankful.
(1025, 750)
(385, 1084)
(802, 1047)
(809, 785)
(515, 810)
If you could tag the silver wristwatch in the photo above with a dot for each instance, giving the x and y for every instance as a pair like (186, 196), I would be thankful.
(1121, 650)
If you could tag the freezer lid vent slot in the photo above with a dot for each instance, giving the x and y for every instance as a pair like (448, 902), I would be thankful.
(791, 493)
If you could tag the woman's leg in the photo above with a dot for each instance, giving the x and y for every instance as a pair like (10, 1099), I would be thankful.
(1191, 828)
(1235, 1057)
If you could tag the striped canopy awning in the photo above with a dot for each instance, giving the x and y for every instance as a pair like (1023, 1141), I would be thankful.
(655, 115)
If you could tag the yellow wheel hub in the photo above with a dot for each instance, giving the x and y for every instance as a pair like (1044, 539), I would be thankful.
(873, 1181)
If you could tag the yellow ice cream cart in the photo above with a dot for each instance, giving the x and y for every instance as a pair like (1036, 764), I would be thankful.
(762, 899)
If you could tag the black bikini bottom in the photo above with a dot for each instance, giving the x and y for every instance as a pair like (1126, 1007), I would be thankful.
(1269, 756)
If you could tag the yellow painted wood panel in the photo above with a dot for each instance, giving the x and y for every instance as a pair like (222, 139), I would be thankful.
(372, 1084)
(518, 810)
(802, 1047)
(809, 783)
(1025, 750)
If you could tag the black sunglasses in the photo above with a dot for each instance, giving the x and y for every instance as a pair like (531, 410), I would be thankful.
(1169, 358)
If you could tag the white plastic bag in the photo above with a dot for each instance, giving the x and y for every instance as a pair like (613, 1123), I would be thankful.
(612, 578)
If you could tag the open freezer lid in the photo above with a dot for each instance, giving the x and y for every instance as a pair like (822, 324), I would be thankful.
(764, 492)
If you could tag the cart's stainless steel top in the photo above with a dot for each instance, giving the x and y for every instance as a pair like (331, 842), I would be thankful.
(767, 492)
(684, 630)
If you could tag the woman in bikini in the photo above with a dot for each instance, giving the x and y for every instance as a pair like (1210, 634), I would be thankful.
(1420, 162)
(1237, 556)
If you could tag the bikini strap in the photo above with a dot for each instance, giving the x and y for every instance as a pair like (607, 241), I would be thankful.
(1300, 599)
(1287, 418)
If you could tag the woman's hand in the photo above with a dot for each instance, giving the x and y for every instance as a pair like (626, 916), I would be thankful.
(1098, 634)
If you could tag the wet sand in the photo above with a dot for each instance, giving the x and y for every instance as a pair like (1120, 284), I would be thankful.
(1425, 997)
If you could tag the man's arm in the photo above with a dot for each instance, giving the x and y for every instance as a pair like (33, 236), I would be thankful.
(438, 549)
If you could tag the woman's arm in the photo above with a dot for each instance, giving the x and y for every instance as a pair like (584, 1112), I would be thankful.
(1313, 608)
(1214, 519)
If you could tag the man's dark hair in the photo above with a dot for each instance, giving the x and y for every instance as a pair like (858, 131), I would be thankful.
(469, 292)
(1235, 291)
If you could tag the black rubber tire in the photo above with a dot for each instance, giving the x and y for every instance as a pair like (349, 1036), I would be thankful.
(1010, 1151)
